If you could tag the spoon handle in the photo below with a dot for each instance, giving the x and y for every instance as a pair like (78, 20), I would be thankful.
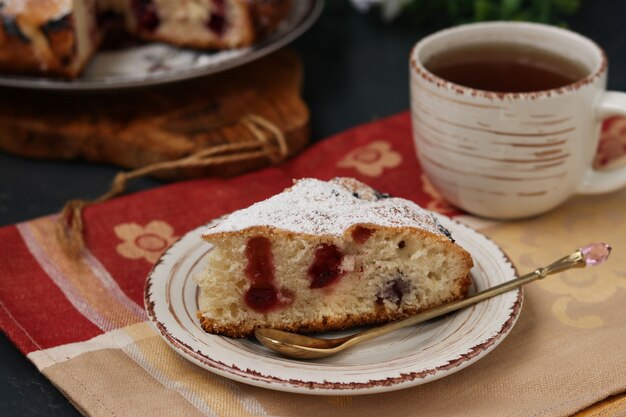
(574, 260)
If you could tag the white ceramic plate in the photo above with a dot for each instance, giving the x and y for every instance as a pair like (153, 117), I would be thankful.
(157, 63)
(408, 357)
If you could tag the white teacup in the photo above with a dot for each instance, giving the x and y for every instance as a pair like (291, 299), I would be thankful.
(512, 155)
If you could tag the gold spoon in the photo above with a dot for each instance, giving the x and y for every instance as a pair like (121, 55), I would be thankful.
(306, 347)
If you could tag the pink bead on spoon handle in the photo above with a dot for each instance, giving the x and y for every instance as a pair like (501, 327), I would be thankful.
(307, 347)
(595, 253)
(589, 255)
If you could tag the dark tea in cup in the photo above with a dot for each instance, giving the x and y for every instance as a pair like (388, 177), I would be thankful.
(505, 67)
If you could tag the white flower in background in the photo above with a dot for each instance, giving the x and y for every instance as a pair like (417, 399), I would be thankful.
(364, 5)
(390, 8)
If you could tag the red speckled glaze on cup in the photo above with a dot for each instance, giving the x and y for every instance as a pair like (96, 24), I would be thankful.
(512, 155)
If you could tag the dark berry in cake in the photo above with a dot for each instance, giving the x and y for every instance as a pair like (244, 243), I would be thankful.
(360, 234)
(394, 290)
(326, 267)
(445, 232)
(261, 298)
(217, 24)
(217, 20)
(146, 14)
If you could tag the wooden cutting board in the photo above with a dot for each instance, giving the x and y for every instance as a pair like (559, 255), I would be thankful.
(136, 128)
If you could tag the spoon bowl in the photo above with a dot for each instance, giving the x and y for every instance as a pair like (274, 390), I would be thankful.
(299, 346)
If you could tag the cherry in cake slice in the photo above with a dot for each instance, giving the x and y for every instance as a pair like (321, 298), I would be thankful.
(326, 256)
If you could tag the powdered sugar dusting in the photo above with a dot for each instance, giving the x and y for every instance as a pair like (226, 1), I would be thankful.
(318, 207)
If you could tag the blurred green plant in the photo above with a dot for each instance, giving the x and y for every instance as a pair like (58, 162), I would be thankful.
(465, 11)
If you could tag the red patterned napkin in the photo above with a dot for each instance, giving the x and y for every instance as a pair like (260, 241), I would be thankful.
(82, 322)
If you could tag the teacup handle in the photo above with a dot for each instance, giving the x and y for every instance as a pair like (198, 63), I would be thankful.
(612, 103)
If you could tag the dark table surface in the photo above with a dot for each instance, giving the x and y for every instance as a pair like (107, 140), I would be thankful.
(355, 71)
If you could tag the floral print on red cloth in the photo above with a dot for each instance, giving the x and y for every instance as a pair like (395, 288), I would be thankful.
(371, 160)
(144, 242)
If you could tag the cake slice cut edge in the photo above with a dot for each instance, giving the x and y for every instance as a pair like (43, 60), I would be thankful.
(327, 256)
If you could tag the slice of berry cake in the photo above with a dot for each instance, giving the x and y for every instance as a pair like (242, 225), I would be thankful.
(55, 37)
(205, 24)
(325, 256)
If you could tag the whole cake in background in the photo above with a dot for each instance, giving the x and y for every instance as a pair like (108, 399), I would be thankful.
(58, 37)
(327, 255)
